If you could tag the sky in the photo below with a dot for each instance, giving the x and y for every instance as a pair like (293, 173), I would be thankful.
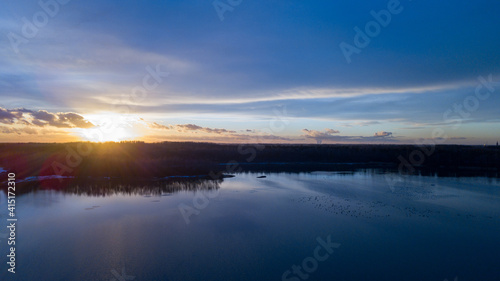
(409, 71)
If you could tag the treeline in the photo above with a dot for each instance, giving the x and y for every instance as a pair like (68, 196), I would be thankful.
(104, 187)
(146, 160)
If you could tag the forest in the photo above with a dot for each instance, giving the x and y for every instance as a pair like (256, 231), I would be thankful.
(139, 160)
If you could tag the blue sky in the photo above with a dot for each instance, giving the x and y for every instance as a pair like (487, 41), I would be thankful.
(266, 71)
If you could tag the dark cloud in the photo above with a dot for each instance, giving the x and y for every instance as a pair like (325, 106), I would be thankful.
(38, 123)
(42, 118)
(383, 134)
(6, 116)
(217, 131)
(75, 119)
(60, 120)
(188, 127)
(44, 115)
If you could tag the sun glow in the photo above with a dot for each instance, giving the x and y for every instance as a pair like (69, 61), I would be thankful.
(111, 127)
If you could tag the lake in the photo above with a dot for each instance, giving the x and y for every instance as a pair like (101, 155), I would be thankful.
(349, 225)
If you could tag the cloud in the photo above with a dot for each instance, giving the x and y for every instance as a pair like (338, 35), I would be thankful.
(229, 138)
(360, 124)
(383, 134)
(190, 127)
(42, 118)
(318, 134)
(19, 131)
(331, 131)
(74, 119)
(328, 134)
(260, 138)
(332, 135)
(439, 139)
(6, 116)
(220, 135)
(217, 131)
(155, 125)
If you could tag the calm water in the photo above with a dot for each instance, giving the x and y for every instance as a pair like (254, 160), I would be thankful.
(335, 226)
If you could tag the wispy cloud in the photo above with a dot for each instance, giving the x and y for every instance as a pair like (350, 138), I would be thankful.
(19, 131)
(333, 136)
(361, 124)
(190, 127)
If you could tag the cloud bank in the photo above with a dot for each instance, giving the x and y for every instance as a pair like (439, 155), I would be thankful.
(43, 118)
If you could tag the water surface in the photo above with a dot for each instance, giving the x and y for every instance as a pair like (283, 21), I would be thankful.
(385, 227)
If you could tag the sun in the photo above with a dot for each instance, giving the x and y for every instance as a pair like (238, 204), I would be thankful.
(110, 127)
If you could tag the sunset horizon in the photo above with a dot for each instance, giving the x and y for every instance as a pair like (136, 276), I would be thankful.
(249, 140)
(336, 79)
